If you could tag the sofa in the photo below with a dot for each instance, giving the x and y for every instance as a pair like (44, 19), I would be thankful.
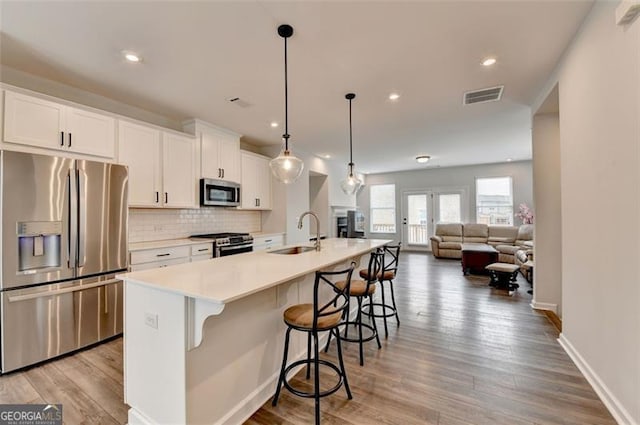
(513, 243)
(448, 239)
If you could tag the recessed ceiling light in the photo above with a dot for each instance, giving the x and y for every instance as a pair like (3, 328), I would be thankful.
(327, 156)
(131, 56)
(489, 61)
(423, 158)
(394, 96)
(274, 124)
(509, 159)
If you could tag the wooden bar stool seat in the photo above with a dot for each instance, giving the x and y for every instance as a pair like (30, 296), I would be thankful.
(312, 318)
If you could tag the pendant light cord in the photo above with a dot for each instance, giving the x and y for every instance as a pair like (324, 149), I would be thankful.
(350, 138)
(286, 100)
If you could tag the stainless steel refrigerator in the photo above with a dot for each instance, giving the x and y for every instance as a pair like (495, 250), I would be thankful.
(64, 237)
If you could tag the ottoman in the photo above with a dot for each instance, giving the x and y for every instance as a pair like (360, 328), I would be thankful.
(476, 257)
(503, 276)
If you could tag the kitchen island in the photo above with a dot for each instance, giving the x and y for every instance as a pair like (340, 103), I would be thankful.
(203, 341)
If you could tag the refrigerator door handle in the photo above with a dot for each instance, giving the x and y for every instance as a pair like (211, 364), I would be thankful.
(73, 217)
(41, 294)
(82, 218)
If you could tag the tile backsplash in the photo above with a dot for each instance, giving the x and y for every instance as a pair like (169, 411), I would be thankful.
(159, 224)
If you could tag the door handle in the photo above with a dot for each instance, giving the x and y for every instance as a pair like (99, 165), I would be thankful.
(72, 233)
(69, 139)
(82, 217)
(61, 291)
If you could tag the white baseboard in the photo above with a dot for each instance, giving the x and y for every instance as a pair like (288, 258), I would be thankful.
(619, 413)
(137, 418)
(544, 306)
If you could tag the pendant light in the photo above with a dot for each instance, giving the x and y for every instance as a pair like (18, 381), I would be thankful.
(286, 167)
(352, 183)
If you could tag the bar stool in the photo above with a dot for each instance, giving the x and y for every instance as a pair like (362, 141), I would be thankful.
(391, 258)
(361, 290)
(313, 318)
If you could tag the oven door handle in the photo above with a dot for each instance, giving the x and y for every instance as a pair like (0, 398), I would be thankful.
(234, 247)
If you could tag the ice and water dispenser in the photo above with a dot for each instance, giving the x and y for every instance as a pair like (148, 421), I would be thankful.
(39, 245)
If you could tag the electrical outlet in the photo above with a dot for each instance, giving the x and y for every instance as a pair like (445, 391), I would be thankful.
(151, 320)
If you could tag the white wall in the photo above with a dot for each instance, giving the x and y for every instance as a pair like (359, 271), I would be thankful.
(599, 79)
(547, 288)
(450, 177)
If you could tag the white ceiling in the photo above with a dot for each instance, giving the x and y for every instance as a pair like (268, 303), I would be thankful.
(197, 54)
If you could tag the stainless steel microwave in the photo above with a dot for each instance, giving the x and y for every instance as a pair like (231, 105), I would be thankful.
(219, 193)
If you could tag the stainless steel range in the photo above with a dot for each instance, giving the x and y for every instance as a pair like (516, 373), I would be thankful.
(229, 243)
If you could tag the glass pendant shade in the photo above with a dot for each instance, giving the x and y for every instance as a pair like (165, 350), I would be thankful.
(352, 184)
(286, 168)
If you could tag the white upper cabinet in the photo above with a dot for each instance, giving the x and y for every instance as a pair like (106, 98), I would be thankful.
(219, 151)
(140, 148)
(45, 124)
(178, 165)
(161, 166)
(255, 191)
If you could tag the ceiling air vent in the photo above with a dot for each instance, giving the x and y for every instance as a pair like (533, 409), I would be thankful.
(239, 102)
(484, 95)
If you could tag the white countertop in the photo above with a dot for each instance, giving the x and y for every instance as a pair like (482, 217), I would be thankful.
(169, 243)
(266, 234)
(229, 278)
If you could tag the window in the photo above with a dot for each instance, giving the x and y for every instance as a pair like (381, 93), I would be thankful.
(449, 207)
(383, 208)
(494, 201)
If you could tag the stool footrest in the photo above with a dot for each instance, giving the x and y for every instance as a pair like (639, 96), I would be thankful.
(392, 311)
(311, 362)
(356, 324)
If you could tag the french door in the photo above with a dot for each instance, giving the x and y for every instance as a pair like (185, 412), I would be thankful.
(421, 210)
(417, 219)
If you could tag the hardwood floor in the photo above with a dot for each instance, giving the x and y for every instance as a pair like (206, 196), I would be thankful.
(464, 354)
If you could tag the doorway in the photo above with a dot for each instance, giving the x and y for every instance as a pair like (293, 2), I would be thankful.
(422, 209)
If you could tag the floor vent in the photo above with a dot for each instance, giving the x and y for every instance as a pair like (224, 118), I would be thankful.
(239, 102)
(484, 95)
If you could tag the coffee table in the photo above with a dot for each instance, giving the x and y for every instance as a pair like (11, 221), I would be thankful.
(477, 256)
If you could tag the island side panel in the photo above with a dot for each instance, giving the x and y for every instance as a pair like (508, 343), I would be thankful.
(154, 351)
(235, 369)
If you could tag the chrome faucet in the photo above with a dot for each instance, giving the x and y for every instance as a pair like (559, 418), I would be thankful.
(317, 244)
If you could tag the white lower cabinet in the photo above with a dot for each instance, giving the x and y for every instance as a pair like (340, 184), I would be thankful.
(267, 243)
(159, 257)
(163, 257)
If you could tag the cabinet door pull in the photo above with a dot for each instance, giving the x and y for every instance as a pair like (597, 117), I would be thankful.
(157, 197)
(219, 173)
(258, 201)
(69, 139)
(268, 240)
(223, 173)
(62, 138)
(203, 249)
(166, 197)
(163, 255)
(255, 202)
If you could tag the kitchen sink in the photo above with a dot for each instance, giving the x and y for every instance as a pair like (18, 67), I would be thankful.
(293, 250)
